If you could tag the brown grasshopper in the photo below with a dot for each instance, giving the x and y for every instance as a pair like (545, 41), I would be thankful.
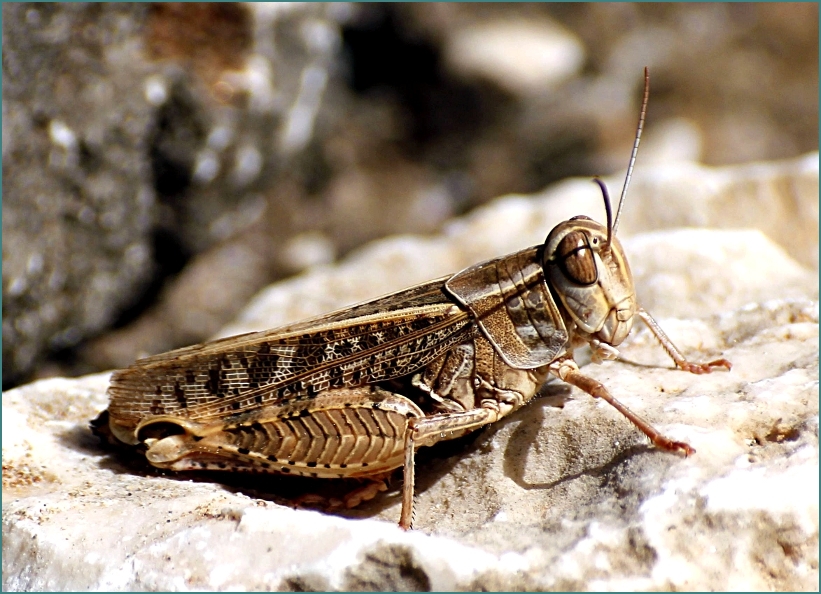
(354, 393)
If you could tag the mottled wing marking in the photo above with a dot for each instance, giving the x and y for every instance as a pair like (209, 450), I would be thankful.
(375, 341)
(428, 293)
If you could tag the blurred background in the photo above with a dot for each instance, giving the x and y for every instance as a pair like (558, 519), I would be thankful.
(164, 162)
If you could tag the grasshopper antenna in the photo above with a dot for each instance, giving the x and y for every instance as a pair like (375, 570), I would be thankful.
(607, 208)
(612, 232)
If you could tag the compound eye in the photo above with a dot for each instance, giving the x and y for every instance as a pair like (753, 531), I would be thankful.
(576, 258)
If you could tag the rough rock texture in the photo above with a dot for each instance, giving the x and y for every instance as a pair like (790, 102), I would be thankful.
(77, 196)
(563, 495)
(137, 135)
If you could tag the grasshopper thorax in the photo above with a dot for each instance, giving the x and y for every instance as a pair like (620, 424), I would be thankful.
(589, 274)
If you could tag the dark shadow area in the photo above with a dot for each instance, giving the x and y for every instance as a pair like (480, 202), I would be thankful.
(432, 463)
(386, 57)
(119, 460)
(526, 434)
(553, 394)
(599, 472)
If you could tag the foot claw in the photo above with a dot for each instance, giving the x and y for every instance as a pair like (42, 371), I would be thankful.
(699, 368)
(678, 447)
(684, 448)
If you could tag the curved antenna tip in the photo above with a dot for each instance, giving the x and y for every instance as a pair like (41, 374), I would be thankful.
(635, 150)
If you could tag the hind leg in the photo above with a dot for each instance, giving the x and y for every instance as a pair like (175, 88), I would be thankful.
(373, 486)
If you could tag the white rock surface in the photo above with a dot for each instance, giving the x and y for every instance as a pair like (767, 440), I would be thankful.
(563, 495)
(523, 56)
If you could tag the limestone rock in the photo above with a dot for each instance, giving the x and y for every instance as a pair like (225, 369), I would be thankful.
(565, 494)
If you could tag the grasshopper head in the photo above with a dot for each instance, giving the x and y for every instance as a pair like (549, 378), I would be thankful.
(587, 270)
(585, 266)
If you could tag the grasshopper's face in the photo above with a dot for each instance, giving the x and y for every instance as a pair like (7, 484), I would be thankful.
(591, 278)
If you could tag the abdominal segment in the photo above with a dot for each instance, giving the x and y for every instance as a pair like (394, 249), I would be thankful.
(341, 433)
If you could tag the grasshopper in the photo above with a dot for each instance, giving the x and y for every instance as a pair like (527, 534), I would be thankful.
(354, 393)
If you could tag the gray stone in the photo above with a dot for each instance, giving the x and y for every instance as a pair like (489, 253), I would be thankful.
(126, 121)
(77, 197)
(524, 56)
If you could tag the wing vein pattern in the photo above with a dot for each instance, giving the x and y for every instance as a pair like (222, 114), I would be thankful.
(375, 341)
